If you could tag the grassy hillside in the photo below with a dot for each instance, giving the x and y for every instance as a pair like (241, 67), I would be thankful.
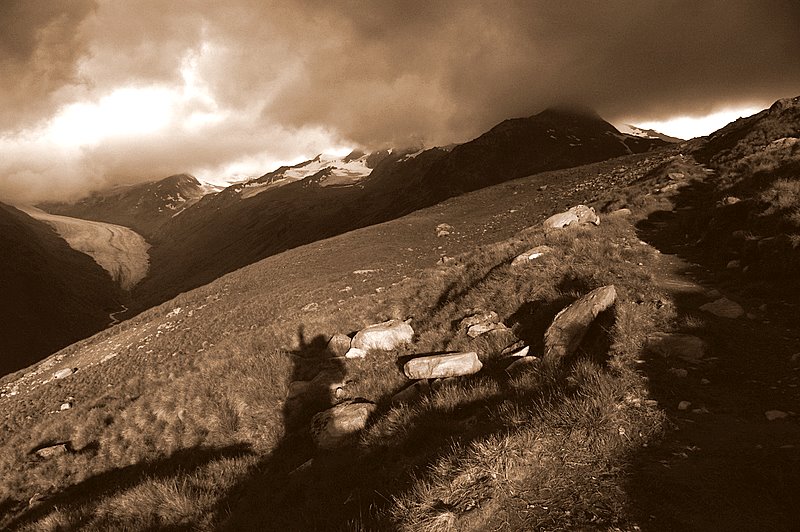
(179, 415)
(52, 294)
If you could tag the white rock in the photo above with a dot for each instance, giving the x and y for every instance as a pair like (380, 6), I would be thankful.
(483, 328)
(442, 366)
(578, 215)
(772, 415)
(724, 308)
(355, 352)
(531, 254)
(384, 336)
(62, 373)
(65, 406)
(621, 212)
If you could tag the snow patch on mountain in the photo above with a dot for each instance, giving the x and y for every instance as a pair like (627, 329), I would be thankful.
(628, 129)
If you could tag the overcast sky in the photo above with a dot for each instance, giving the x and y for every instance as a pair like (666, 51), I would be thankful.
(95, 92)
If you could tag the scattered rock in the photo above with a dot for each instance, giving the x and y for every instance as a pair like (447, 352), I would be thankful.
(483, 328)
(683, 346)
(701, 410)
(684, 405)
(678, 372)
(795, 357)
(578, 215)
(65, 406)
(733, 265)
(729, 200)
(443, 230)
(63, 373)
(521, 362)
(518, 353)
(542, 188)
(570, 325)
(676, 175)
(383, 336)
(311, 307)
(441, 366)
(327, 381)
(409, 393)
(724, 308)
(339, 344)
(337, 426)
(479, 318)
(621, 212)
(531, 254)
(444, 259)
(772, 415)
(705, 381)
(52, 450)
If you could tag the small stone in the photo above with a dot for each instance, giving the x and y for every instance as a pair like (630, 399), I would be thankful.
(479, 318)
(65, 406)
(678, 372)
(796, 357)
(701, 410)
(684, 405)
(772, 415)
(443, 230)
(442, 366)
(52, 450)
(531, 254)
(724, 308)
(621, 213)
(483, 328)
(522, 362)
(63, 373)
(733, 265)
(705, 381)
(311, 307)
(683, 346)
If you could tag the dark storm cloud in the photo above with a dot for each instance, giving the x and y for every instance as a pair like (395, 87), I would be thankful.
(378, 73)
(40, 44)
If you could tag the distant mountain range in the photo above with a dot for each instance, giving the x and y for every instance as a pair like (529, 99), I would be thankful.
(199, 232)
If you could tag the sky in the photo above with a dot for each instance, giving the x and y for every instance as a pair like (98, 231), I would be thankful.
(100, 92)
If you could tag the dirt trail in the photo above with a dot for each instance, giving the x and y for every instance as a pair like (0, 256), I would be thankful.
(724, 466)
(119, 250)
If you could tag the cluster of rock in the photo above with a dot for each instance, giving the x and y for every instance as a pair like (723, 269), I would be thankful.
(576, 216)
(385, 336)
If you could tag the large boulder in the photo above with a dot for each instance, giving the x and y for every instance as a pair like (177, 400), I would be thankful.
(384, 336)
(442, 366)
(578, 215)
(570, 325)
(337, 426)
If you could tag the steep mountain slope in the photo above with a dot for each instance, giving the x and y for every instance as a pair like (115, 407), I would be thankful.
(143, 207)
(52, 294)
(234, 228)
(118, 250)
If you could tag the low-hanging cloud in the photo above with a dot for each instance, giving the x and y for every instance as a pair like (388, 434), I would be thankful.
(282, 77)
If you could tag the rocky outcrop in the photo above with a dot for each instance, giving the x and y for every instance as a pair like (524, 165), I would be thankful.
(442, 366)
(570, 325)
(337, 426)
(578, 215)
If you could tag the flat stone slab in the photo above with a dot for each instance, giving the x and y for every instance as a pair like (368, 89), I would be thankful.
(683, 346)
(384, 336)
(442, 366)
(531, 255)
(724, 308)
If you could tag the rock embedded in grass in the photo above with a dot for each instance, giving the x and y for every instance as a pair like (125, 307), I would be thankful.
(578, 215)
(442, 366)
(339, 344)
(570, 325)
(336, 427)
(531, 254)
(63, 373)
(384, 336)
(52, 450)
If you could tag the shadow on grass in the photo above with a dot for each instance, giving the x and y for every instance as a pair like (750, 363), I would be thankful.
(298, 487)
(118, 480)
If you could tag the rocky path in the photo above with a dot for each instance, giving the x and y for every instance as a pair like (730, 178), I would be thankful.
(731, 460)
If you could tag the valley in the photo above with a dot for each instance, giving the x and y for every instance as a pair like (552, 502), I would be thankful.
(674, 407)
